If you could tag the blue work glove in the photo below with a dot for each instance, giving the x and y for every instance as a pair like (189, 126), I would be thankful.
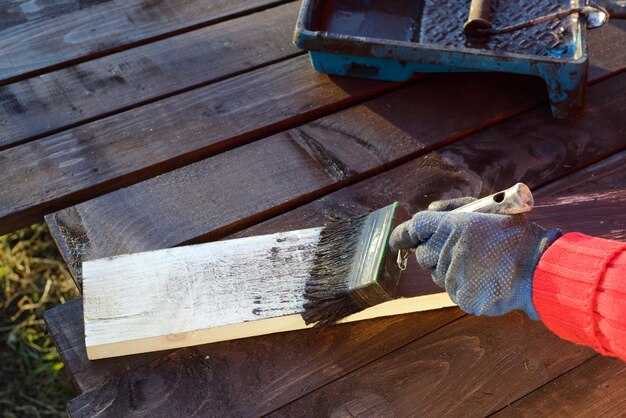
(485, 262)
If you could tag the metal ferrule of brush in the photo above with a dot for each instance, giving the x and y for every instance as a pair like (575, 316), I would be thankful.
(351, 272)
(512, 201)
(368, 260)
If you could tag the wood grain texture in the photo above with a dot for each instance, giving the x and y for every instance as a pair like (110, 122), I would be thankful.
(219, 291)
(32, 46)
(605, 175)
(90, 160)
(593, 389)
(66, 323)
(57, 100)
(598, 214)
(122, 149)
(469, 368)
(253, 376)
(343, 148)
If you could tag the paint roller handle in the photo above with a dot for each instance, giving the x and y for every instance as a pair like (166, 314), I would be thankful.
(616, 8)
(478, 18)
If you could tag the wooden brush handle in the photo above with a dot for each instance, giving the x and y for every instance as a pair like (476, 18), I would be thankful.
(512, 201)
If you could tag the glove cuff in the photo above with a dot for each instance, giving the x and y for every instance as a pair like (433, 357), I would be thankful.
(526, 285)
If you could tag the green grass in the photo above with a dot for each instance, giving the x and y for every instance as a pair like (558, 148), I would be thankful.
(33, 278)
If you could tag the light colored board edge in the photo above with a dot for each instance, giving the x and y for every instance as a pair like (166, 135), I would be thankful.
(260, 327)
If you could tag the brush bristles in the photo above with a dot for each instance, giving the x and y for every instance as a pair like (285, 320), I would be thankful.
(328, 289)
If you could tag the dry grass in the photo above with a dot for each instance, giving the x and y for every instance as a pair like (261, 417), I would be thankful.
(33, 279)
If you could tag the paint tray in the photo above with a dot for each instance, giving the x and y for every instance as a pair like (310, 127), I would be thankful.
(393, 40)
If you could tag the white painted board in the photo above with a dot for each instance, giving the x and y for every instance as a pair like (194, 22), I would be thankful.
(206, 293)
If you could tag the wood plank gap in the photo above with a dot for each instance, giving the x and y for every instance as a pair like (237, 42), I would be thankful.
(147, 102)
(373, 360)
(134, 44)
(546, 384)
(542, 186)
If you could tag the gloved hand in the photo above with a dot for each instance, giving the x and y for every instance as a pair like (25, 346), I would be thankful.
(485, 262)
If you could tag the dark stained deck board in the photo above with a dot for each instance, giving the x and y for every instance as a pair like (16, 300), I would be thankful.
(597, 388)
(469, 368)
(38, 106)
(251, 377)
(124, 221)
(605, 175)
(377, 198)
(608, 64)
(436, 175)
(70, 34)
(92, 159)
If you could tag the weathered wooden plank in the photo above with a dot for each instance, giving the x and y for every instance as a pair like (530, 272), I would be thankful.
(252, 376)
(65, 322)
(596, 388)
(38, 106)
(91, 159)
(17, 12)
(33, 46)
(198, 294)
(346, 147)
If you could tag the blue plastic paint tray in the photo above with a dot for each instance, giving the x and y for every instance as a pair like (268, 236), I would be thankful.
(394, 39)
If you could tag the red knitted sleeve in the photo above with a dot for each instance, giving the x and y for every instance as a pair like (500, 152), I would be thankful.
(579, 291)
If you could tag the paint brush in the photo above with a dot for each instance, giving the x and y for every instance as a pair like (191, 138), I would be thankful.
(354, 267)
